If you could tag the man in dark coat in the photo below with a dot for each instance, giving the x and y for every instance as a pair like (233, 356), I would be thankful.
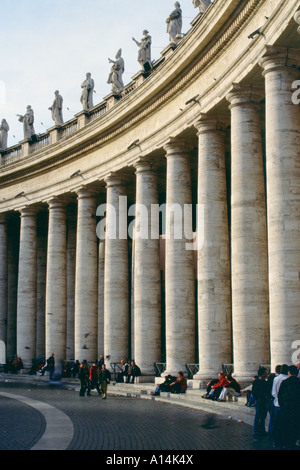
(289, 402)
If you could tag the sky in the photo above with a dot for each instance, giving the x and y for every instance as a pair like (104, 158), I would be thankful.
(50, 45)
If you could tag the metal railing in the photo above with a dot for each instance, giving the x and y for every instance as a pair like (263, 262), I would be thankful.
(192, 369)
(228, 368)
(159, 367)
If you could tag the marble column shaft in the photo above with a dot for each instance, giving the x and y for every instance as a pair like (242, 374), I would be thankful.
(27, 287)
(249, 262)
(86, 278)
(3, 278)
(214, 295)
(71, 264)
(283, 196)
(116, 282)
(56, 282)
(179, 262)
(147, 289)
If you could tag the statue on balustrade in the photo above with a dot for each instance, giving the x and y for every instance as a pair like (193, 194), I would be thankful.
(56, 109)
(144, 55)
(4, 128)
(202, 4)
(174, 22)
(28, 121)
(117, 70)
(87, 92)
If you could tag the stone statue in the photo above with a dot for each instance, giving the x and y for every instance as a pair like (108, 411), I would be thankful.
(28, 121)
(202, 4)
(56, 109)
(87, 92)
(174, 22)
(144, 55)
(117, 70)
(4, 128)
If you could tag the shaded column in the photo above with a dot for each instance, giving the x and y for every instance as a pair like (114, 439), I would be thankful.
(249, 255)
(42, 229)
(147, 289)
(56, 283)
(13, 263)
(101, 264)
(71, 263)
(26, 297)
(86, 278)
(3, 278)
(116, 282)
(283, 199)
(179, 262)
(213, 266)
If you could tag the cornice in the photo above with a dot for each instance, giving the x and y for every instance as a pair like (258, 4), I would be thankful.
(92, 137)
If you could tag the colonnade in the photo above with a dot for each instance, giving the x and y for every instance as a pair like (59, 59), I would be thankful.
(245, 307)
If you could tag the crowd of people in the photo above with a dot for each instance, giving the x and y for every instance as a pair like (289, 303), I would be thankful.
(95, 377)
(275, 393)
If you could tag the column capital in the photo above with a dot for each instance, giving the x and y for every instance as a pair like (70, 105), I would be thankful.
(278, 58)
(209, 123)
(28, 211)
(57, 202)
(144, 164)
(115, 179)
(240, 95)
(84, 192)
(177, 145)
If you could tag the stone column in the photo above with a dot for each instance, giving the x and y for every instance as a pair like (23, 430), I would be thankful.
(3, 278)
(26, 300)
(249, 260)
(147, 290)
(283, 200)
(214, 291)
(42, 228)
(101, 264)
(56, 282)
(13, 263)
(71, 263)
(179, 267)
(86, 278)
(116, 282)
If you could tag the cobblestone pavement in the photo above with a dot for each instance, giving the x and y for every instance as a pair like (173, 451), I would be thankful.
(118, 423)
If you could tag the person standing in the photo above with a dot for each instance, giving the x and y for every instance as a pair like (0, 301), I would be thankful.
(83, 376)
(276, 427)
(105, 377)
(260, 395)
(94, 378)
(289, 402)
